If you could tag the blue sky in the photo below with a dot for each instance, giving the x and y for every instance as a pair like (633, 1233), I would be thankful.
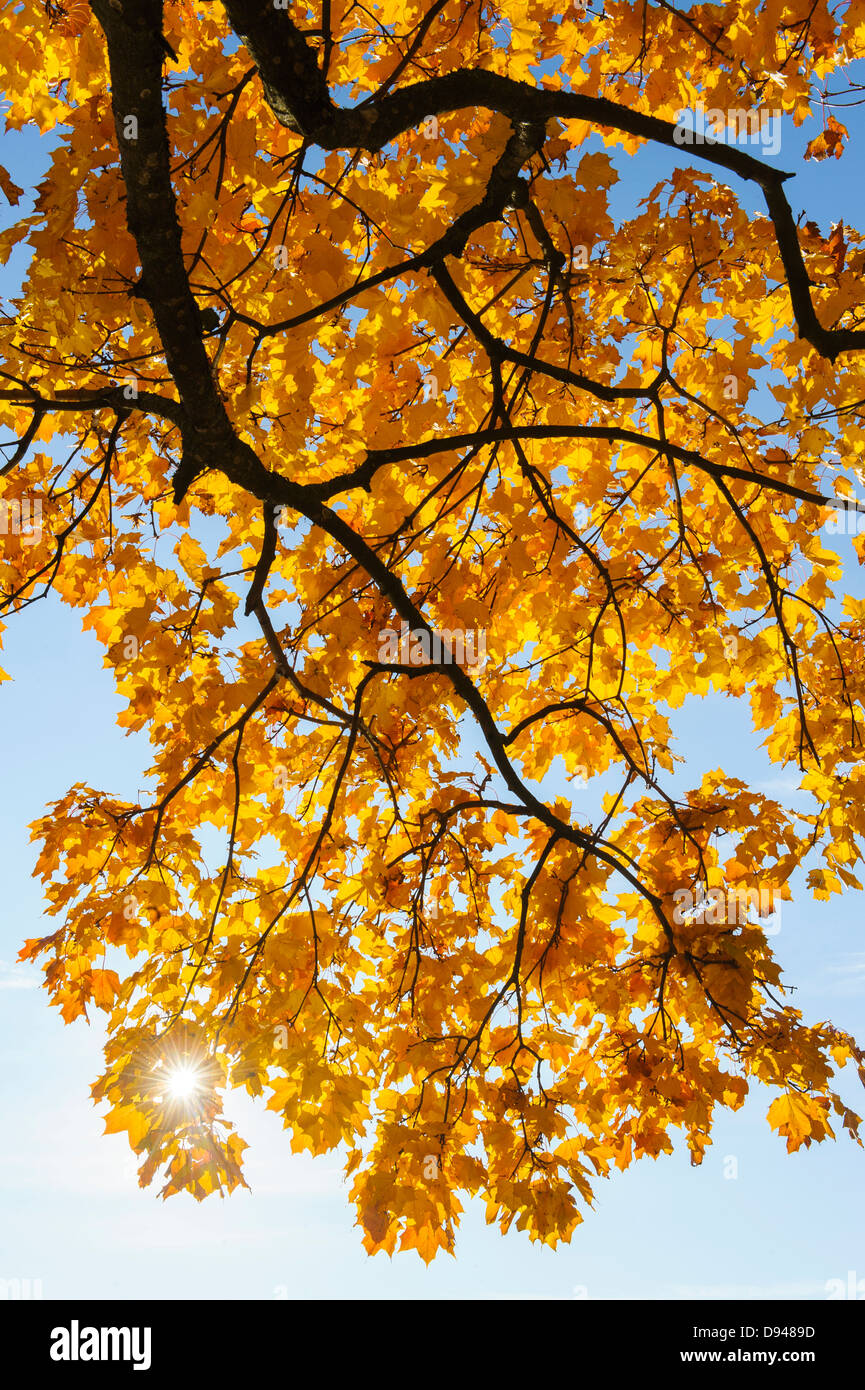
(71, 1213)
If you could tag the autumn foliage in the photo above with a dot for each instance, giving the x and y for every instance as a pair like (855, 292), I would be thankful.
(329, 330)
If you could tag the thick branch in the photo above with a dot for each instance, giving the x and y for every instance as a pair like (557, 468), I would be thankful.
(294, 86)
(133, 31)
(297, 93)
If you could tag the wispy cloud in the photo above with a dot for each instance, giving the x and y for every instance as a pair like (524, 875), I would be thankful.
(89, 1162)
(14, 977)
(854, 964)
(780, 784)
(846, 977)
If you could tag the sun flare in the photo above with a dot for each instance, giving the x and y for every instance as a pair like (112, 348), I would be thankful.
(183, 1082)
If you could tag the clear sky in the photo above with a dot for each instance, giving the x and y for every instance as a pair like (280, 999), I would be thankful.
(71, 1213)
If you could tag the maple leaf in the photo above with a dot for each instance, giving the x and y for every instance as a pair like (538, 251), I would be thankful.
(830, 141)
(11, 191)
(799, 1119)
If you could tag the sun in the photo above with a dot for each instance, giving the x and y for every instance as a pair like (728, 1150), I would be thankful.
(180, 1080)
(181, 1083)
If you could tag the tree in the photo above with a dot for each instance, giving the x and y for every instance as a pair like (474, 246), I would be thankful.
(390, 469)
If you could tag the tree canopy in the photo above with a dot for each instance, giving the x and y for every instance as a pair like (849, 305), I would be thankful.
(410, 487)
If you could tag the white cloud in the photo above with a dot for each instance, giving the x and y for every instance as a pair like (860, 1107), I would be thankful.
(846, 977)
(779, 784)
(14, 977)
